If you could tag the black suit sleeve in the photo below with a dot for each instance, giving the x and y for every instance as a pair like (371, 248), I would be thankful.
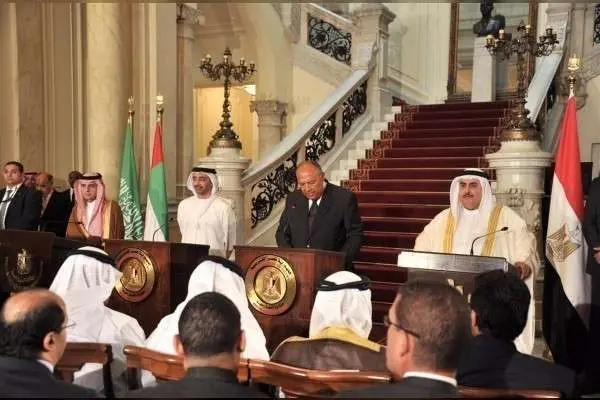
(591, 219)
(353, 226)
(32, 208)
(283, 235)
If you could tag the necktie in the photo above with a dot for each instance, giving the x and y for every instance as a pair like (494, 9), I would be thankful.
(312, 213)
(4, 206)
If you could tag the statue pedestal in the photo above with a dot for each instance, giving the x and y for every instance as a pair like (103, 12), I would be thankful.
(229, 165)
(519, 169)
(484, 73)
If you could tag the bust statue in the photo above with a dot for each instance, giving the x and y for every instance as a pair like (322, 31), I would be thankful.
(488, 25)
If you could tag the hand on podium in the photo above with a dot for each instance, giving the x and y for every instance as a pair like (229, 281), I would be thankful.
(523, 269)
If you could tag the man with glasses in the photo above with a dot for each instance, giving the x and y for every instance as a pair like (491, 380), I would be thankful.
(428, 327)
(32, 341)
(320, 215)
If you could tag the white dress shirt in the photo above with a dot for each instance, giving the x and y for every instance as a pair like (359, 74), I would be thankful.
(430, 375)
(46, 364)
(5, 198)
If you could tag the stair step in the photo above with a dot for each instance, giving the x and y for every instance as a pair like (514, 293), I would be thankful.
(406, 173)
(437, 198)
(383, 255)
(458, 141)
(467, 151)
(429, 185)
(458, 115)
(384, 292)
(380, 309)
(389, 239)
(390, 161)
(381, 272)
(378, 333)
(419, 123)
(464, 106)
(476, 132)
(399, 210)
(387, 224)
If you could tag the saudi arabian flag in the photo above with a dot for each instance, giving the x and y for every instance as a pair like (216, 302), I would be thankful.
(129, 191)
(156, 208)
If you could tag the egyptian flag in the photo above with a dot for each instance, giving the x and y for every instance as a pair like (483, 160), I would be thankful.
(566, 284)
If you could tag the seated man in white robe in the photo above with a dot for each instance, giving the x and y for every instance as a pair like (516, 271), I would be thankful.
(85, 281)
(207, 218)
(340, 325)
(213, 274)
(473, 213)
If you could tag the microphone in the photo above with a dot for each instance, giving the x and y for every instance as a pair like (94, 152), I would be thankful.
(158, 229)
(503, 229)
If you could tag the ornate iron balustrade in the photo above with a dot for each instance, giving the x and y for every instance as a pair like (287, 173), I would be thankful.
(597, 24)
(322, 140)
(354, 106)
(329, 39)
(267, 192)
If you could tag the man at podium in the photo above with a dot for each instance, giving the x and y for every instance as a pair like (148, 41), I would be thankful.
(320, 215)
(475, 225)
(93, 214)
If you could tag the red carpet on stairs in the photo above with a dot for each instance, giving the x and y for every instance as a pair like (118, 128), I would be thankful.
(405, 181)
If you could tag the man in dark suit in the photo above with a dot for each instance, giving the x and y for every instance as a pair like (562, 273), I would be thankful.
(56, 206)
(428, 328)
(499, 303)
(20, 206)
(591, 232)
(73, 177)
(321, 215)
(32, 340)
(210, 340)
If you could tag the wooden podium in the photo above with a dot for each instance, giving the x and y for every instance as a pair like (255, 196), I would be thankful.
(280, 284)
(155, 277)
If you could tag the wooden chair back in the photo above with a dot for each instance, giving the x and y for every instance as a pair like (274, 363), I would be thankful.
(164, 367)
(485, 393)
(76, 355)
(300, 382)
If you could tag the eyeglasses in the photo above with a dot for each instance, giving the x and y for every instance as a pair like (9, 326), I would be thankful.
(62, 328)
(387, 323)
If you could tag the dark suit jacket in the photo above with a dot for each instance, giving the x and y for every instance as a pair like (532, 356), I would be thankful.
(492, 363)
(201, 382)
(337, 225)
(591, 226)
(411, 387)
(24, 209)
(56, 215)
(29, 378)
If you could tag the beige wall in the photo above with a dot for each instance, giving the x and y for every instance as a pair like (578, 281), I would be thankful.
(309, 92)
(208, 110)
(588, 119)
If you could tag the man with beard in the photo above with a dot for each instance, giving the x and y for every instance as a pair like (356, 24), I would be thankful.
(473, 213)
(207, 218)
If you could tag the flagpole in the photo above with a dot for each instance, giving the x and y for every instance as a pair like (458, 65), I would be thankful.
(573, 67)
(159, 110)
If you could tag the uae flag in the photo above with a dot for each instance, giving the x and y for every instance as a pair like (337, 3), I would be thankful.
(156, 227)
(566, 284)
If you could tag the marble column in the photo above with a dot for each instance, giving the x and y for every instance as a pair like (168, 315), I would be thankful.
(484, 73)
(9, 82)
(188, 18)
(106, 91)
(271, 124)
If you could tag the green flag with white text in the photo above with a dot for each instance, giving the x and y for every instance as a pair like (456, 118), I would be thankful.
(129, 191)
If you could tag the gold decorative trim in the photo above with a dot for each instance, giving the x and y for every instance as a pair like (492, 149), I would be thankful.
(488, 246)
(139, 274)
(449, 233)
(270, 284)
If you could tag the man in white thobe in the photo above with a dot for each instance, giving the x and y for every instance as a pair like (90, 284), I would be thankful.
(85, 281)
(473, 213)
(213, 274)
(207, 218)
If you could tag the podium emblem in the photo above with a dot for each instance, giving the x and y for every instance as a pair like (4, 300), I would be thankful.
(271, 284)
(139, 275)
(25, 273)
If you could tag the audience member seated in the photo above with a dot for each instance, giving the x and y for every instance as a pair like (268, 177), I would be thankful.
(85, 281)
(211, 341)
(428, 328)
(499, 304)
(32, 340)
(339, 329)
(213, 274)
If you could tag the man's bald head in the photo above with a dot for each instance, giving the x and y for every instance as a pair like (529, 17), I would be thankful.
(310, 178)
(32, 326)
(44, 183)
(21, 304)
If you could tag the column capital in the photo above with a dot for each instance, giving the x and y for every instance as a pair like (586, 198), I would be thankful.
(268, 107)
(187, 14)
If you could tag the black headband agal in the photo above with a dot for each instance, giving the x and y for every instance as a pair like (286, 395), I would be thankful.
(103, 258)
(230, 265)
(205, 170)
(90, 177)
(467, 172)
(327, 286)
